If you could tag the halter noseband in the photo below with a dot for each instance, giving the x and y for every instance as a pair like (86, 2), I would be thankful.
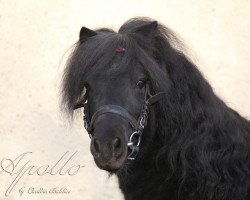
(137, 125)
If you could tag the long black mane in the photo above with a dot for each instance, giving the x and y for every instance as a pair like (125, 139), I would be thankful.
(201, 144)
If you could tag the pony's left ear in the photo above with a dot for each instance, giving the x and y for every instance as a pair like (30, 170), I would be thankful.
(148, 30)
(85, 33)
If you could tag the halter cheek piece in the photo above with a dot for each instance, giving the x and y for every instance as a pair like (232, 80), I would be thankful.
(137, 125)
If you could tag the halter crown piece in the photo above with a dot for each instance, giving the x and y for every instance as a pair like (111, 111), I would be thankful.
(137, 125)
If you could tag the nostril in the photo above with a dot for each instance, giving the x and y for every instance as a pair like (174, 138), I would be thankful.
(96, 145)
(116, 143)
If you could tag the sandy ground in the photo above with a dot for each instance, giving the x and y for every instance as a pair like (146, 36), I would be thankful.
(35, 38)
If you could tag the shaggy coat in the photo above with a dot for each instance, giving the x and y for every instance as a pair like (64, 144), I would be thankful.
(194, 147)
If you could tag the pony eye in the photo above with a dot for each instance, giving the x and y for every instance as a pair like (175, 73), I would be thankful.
(141, 84)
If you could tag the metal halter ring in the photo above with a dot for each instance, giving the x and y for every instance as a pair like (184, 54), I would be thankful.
(130, 143)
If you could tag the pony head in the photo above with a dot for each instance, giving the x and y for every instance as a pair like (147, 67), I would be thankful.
(113, 75)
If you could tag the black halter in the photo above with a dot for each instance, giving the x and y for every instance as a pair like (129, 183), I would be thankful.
(137, 125)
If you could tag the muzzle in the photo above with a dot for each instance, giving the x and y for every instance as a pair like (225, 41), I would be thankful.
(137, 125)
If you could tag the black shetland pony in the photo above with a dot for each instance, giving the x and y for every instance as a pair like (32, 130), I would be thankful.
(153, 119)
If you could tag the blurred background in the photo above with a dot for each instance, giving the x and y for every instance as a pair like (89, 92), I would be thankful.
(36, 38)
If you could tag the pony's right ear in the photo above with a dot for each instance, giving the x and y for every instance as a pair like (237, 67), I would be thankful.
(85, 33)
(80, 103)
(82, 99)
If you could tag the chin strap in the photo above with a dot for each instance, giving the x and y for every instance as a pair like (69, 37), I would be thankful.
(137, 125)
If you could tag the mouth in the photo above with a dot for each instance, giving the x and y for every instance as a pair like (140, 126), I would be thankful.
(111, 167)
